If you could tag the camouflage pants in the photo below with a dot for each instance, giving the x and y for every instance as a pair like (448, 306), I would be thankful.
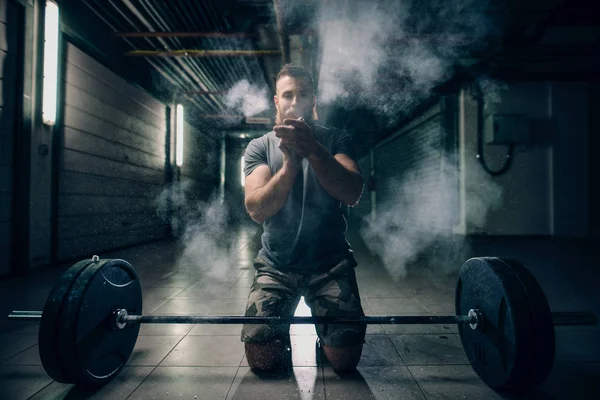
(276, 293)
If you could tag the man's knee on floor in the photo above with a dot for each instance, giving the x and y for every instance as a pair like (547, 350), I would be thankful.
(343, 359)
(267, 356)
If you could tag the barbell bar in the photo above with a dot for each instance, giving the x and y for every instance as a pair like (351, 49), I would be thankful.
(92, 317)
(564, 318)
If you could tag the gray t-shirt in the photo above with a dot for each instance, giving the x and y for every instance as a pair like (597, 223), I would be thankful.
(308, 233)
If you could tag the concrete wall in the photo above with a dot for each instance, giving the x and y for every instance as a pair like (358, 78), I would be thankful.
(546, 191)
(112, 160)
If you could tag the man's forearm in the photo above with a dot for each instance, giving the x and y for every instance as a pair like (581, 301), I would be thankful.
(267, 200)
(341, 183)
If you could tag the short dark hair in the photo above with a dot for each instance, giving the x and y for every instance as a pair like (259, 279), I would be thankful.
(295, 71)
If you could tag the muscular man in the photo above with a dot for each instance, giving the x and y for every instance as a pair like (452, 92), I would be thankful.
(297, 176)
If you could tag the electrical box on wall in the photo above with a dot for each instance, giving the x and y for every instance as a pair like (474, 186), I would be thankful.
(506, 129)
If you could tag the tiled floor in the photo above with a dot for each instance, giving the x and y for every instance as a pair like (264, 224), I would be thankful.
(398, 361)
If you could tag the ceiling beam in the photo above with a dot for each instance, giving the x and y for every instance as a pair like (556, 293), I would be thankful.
(284, 39)
(203, 53)
(215, 35)
(205, 92)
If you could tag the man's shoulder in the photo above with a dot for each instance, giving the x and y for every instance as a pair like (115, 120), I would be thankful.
(263, 139)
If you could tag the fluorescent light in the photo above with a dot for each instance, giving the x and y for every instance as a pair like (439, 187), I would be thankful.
(243, 178)
(179, 140)
(51, 35)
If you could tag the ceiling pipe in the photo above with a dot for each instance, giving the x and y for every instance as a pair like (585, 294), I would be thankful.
(284, 39)
(202, 53)
(204, 93)
(212, 35)
(184, 65)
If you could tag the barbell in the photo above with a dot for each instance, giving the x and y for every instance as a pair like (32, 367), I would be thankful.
(92, 316)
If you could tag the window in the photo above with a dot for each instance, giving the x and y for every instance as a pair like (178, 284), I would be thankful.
(50, 84)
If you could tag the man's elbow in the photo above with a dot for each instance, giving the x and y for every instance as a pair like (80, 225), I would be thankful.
(254, 214)
(257, 217)
(353, 199)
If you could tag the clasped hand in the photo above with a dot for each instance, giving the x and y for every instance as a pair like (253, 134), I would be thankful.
(296, 135)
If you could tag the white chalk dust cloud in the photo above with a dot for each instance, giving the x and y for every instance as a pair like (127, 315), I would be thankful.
(416, 226)
(389, 55)
(247, 98)
(208, 249)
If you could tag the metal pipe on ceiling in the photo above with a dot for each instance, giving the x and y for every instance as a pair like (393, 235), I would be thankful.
(212, 35)
(182, 62)
(202, 53)
(284, 39)
(218, 66)
(236, 66)
(204, 73)
(169, 62)
(207, 72)
(174, 79)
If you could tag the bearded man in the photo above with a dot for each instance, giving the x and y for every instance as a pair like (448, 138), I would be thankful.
(296, 178)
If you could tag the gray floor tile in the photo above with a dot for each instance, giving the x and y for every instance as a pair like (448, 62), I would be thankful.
(19, 328)
(168, 283)
(380, 289)
(375, 329)
(430, 349)
(380, 383)
(21, 382)
(216, 330)
(203, 307)
(441, 308)
(151, 304)
(161, 292)
(572, 381)
(166, 329)
(379, 350)
(10, 345)
(151, 350)
(427, 298)
(300, 383)
(199, 383)
(31, 356)
(396, 306)
(237, 292)
(410, 329)
(452, 382)
(204, 351)
(119, 388)
(204, 290)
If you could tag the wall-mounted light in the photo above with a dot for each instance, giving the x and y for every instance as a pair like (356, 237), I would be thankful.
(243, 177)
(50, 87)
(179, 140)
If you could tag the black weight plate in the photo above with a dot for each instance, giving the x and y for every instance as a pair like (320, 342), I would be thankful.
(544, 346)
(48, 330)
(94, 351)
(500, 353)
